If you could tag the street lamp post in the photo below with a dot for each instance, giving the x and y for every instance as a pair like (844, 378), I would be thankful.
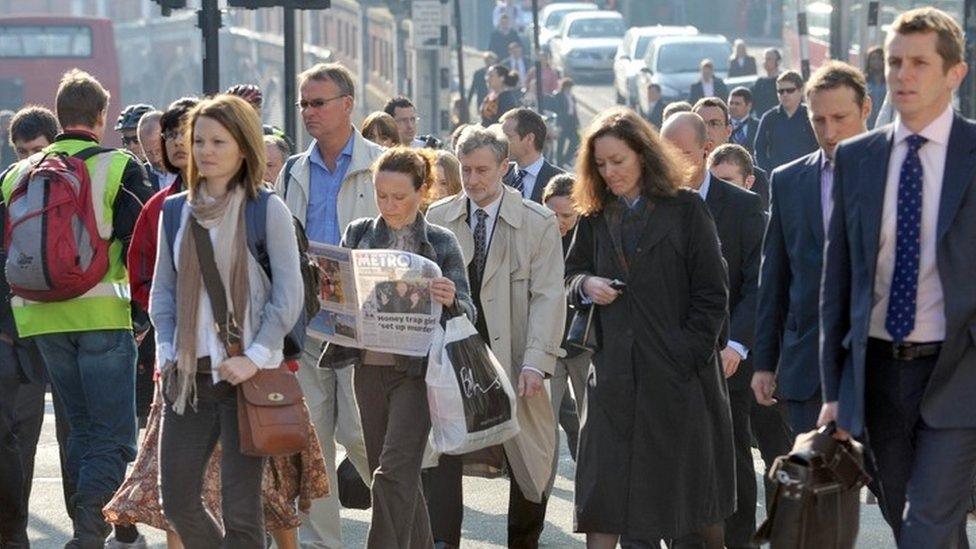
(538, 56)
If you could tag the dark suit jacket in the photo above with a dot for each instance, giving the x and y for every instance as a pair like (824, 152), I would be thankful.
(861, 165)
(656, 116)
(557, 103)
(752, 128)
(698, 91)
(740, 221)
(546, 172)
(761, 186)
(787, 323)
(479, 87)
(748, 68)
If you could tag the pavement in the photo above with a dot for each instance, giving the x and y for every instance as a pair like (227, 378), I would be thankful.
(486, 504)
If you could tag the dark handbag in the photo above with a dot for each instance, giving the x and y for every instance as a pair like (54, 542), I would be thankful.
(817, 499)
(353, 492)
(271, 415)
(581, 333)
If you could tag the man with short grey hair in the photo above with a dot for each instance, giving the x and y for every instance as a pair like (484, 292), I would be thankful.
(148, 132)
(326, 187)
(516, 272)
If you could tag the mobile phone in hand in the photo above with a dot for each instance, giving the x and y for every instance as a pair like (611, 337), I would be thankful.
(618, 285)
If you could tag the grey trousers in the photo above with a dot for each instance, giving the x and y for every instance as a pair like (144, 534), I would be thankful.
(569, 371)
(396, 424)
(186, 443)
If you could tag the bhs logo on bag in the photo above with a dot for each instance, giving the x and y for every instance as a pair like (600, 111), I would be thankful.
(471, 387)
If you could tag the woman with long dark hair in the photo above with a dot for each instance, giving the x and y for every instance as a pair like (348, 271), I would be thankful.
(655, 452)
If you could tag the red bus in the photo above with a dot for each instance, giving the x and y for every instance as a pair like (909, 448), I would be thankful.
(35, 51)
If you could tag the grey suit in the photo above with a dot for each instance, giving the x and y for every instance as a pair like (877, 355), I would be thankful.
(919, 416)
(787, 324)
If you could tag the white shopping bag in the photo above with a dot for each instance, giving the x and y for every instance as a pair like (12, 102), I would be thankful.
(472, 403)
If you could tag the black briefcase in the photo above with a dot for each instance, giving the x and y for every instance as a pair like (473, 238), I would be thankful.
(816, 504)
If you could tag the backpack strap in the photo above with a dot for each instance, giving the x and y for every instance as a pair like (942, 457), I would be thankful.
(90, 152)
(172, 211)
(287, 171)
(256, 225)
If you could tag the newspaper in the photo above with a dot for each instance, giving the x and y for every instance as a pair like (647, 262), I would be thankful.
(375, 299)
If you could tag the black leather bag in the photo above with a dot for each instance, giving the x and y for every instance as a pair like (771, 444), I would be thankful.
(353, 492)
(816, 504)
(582, 333)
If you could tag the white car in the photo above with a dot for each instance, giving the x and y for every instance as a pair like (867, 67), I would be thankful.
(672, 62)
(629, 60)
(552, 15)
(587, 43)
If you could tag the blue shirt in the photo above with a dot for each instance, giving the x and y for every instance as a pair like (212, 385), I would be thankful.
(322, 217)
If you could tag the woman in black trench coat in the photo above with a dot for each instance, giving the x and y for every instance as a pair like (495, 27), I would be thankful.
(655, 451)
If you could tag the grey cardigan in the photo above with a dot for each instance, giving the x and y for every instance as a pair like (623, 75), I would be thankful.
(273, 308)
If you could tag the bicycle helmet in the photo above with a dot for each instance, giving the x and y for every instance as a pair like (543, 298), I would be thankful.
(130, 116)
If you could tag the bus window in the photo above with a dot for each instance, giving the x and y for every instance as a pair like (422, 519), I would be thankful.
(45, 41)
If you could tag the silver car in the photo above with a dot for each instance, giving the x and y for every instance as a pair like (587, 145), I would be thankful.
(672, 62)
(629, 60)
(587, 43)
(552, 15)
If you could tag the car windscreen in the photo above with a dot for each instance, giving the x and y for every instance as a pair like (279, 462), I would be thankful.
(596, 28)
(640, 50)
(687, 56)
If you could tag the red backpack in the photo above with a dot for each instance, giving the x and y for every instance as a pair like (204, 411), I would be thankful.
(54, 251)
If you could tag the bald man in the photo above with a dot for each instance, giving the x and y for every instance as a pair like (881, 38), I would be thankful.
(741, 222)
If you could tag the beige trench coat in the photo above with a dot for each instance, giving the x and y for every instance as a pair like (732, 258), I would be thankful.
(524, 304)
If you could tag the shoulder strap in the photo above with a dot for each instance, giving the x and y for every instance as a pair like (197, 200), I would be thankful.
(226, 326)
(172, 211)
(90, 152)
(256, 225)
(287, 171)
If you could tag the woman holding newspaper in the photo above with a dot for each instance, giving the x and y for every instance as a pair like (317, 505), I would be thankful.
(390, 389)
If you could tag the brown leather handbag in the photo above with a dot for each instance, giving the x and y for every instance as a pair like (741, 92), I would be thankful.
(817, 497)
(271, 414)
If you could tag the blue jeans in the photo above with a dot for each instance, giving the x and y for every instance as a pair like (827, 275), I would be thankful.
(95, 375)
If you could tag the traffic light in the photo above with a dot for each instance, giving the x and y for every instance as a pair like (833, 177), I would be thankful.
(296, 4)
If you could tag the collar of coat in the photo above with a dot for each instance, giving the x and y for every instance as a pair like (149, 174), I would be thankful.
(512, 211)
(382, 236)
(363, 155)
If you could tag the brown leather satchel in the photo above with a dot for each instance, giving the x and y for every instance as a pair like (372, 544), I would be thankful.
(817, 497)
(271, 414)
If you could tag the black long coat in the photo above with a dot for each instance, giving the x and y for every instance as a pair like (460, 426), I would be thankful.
(655, 451)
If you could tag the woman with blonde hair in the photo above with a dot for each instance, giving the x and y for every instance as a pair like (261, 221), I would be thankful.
(655, 453)
(447, 176)
(199, 366)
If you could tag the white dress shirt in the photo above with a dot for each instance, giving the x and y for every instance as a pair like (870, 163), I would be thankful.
(708, 88)
(531, 176)
(929, 310)
(703, 193)
(826, 190)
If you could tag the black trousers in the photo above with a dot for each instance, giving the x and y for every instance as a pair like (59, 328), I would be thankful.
(804, 414)
(445, 505)
(922, 475)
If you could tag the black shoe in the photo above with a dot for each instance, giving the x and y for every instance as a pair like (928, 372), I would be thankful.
(90, 526)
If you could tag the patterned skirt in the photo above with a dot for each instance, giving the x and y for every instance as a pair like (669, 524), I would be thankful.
(300, 477)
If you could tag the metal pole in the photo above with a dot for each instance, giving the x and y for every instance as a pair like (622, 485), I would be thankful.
(464, 113)
(291, 58)
(967, 91)
(209, 23)
(538, 56)
(804, 37)
(838, 45)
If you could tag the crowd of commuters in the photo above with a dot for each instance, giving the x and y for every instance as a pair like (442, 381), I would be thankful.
(748, 279)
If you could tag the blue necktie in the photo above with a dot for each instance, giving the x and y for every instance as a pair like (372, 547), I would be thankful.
(900, 320)
(519, 183)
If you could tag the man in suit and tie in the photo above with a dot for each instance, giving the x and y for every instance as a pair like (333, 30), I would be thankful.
(517, 62)
(740, 221)
(744, 122)
(526, 134)
(564, 105)
(516, 270)
(708, 85)
(787, 330)
(898, 303)
(715, 113)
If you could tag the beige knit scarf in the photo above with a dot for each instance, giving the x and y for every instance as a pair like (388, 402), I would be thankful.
(230, 253)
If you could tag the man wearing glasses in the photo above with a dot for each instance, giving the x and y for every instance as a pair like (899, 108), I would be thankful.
(785, 133)
(405, 115)
(326, 187)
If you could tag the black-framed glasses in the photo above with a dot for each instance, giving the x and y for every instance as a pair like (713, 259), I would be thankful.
(784, 91)
(317, 103)
(173, 135)
(716, 123)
